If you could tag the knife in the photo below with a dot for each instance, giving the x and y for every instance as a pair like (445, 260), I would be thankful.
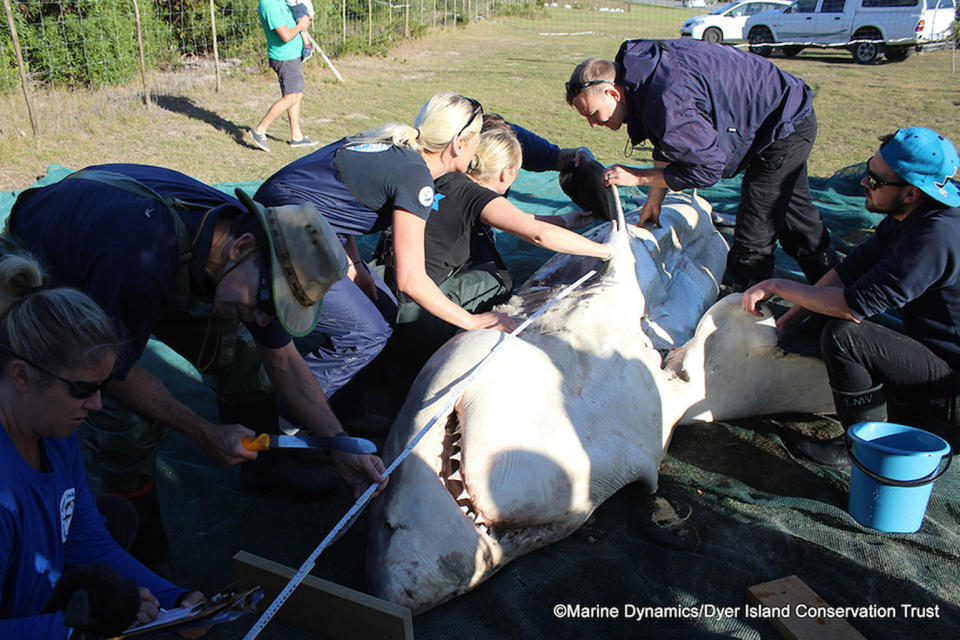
(266, 441)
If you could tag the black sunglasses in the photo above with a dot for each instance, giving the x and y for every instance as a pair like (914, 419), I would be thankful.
(575, 88)
(477, 109)
(874, 181)
(79, 389)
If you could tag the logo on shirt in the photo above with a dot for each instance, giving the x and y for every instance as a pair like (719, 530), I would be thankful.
(66, 512)
(426, 196)
(436, 201)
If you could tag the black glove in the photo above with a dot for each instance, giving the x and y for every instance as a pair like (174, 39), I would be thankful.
(97, 601)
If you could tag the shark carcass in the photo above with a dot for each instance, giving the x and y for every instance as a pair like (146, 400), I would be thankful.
(583, 402)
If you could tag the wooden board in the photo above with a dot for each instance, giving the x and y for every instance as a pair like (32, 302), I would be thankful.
(785, 595)
(327, 608)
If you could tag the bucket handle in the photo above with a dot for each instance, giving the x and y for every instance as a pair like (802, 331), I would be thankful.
(900, 483)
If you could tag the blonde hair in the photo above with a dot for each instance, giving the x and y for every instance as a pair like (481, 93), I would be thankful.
(60, 328)
(439, 122)
(497, 150)
(587, 75)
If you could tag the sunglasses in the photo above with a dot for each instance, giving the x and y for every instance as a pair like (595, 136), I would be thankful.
(477, 109)
(874, 181)
(79, 389)
(575, 88)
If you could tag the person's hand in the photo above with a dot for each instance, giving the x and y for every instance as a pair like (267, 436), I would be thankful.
(360, 274)
(649, 212)
(757, 294)
(223, 444)
(149, 607)
(190, 600)
(619, 175)
(303, 23)
(360, 471)
(493, 320)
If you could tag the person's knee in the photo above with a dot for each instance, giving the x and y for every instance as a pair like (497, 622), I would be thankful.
(838, 338)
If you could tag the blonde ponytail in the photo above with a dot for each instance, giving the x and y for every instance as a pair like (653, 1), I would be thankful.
(440, 121)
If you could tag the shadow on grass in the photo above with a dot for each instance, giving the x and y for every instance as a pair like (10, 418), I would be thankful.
(187, 107)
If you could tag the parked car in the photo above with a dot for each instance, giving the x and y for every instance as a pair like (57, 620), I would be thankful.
(725, 24)
(869, 28)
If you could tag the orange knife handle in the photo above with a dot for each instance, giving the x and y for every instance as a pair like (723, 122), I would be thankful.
(260, 443)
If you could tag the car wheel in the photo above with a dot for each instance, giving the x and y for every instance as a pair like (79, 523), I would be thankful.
(899, 54)
(760, 36)
(713, 35)
(870, 48)
(791, 50)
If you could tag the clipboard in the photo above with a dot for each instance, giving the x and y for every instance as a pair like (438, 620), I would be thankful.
(223, 607)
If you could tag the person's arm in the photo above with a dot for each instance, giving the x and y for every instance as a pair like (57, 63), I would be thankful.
(503, 215)
(303, 394)
(412, 279)
(289, 33)
(357, 270)
(145, 394)
(652, 178)
(825, 298)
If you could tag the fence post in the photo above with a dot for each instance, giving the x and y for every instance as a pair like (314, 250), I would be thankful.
(406, 19)
(216, 55)
(34, 123)
(143, 64)
(369, 23)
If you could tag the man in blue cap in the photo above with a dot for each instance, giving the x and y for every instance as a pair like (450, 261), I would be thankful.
(912, 263)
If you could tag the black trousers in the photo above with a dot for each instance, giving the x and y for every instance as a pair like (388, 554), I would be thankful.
(920, 385)
(775, 204)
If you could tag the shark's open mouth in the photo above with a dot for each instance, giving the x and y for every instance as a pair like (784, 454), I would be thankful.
(451, 472)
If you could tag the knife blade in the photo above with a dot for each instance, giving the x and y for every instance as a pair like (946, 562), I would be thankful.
(266, 441)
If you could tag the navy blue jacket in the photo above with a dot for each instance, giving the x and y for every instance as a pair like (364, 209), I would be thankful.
(914, 266)
(707, 108)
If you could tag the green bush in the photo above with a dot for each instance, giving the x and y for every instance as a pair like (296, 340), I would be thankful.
(83, 42)
(189, 24)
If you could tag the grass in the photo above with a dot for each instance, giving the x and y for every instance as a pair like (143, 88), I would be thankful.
(515, 67)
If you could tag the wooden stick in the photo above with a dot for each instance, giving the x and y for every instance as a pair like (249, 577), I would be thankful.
(313, 43)
(143, 65)
(216, 55)
(23, 72)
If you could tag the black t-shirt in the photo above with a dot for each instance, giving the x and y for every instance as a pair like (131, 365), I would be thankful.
(457, 209)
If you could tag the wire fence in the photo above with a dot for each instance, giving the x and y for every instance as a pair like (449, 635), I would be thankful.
(93, 43)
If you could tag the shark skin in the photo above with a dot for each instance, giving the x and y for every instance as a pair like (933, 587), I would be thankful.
(579, 405)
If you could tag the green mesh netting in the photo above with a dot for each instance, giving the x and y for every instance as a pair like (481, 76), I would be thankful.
(733, 509)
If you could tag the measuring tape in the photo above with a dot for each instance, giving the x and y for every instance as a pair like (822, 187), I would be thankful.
(354, 512)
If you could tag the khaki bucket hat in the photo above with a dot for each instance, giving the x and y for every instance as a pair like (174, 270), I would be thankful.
(306, 258)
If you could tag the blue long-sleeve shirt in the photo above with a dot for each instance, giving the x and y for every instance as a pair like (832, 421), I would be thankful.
(913, 266)
(49, 522)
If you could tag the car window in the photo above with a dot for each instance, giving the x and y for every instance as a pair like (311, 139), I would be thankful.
(832, 6)
(809, 6)
(739, 12)
(753, 8)
(890, 3)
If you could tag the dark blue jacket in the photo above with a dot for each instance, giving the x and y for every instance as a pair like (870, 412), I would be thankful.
(913, 266)
(707, 108)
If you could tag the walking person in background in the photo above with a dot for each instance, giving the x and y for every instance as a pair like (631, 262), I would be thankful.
(285, 48)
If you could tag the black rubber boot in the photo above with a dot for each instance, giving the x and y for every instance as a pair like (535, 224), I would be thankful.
(852, 407)
(816, 265)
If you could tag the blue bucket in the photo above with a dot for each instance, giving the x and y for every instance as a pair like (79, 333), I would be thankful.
(893, 472)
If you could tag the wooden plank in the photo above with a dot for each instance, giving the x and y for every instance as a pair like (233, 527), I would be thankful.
(780, 601)
(324, 607)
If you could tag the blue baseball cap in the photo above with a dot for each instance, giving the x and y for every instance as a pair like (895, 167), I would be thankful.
(927, 160)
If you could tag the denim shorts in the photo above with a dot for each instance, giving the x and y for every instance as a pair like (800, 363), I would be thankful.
(290, 73)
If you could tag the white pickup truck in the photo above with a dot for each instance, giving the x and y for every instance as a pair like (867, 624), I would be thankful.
(869, 28)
